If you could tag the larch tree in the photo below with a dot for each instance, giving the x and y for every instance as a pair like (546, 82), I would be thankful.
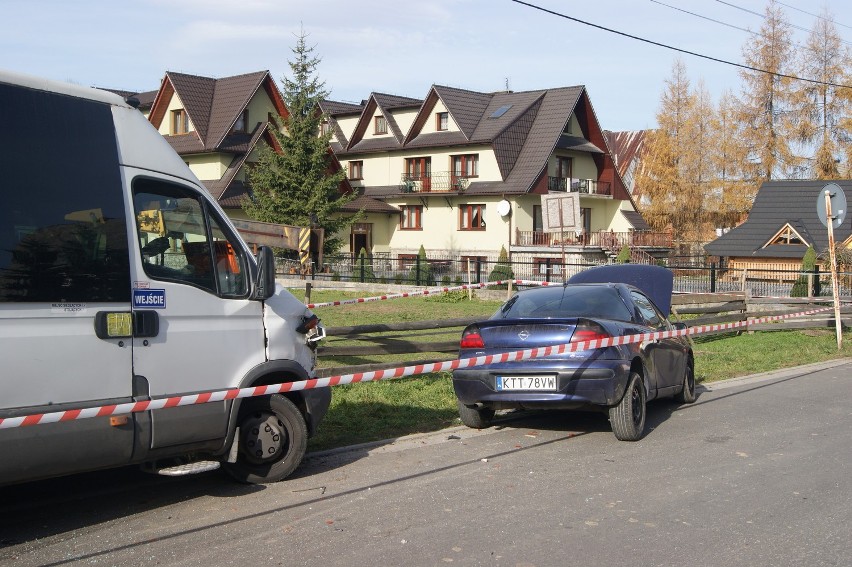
(663, 180)
(766, 102)
(300, 184)
(733, 194)
(821, 105)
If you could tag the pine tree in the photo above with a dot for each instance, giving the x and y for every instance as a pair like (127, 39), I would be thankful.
(299, 185)
(733, 195)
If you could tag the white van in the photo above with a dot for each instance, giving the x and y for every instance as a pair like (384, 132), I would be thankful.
(122, 280)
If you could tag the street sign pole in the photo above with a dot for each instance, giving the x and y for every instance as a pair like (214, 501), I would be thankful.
(834, 287)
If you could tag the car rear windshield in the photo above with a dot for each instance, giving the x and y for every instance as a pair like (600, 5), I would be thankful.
(596, 301)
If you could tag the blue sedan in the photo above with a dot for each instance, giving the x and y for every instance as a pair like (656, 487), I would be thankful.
(599, 303)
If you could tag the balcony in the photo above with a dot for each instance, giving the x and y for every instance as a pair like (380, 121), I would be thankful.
(585, 186)
(612, 241)
(433, 182)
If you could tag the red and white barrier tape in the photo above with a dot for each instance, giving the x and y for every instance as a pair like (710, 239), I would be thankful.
(207, 397)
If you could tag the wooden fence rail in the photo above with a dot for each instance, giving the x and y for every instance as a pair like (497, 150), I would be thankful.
(441, 337)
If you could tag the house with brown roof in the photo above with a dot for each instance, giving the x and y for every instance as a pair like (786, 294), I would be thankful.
(216, 126)
(464, 173)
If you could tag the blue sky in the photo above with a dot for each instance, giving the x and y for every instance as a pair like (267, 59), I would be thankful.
(399, 47)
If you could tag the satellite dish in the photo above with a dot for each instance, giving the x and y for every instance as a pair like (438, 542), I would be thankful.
(838, 205)
(504, 207)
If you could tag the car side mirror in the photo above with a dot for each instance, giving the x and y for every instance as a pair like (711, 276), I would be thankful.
(679, 326)
(264, 285)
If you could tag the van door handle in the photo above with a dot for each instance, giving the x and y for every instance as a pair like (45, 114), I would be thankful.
(146, 323)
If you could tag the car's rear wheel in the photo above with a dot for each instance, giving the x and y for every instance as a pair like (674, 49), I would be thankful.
(475, 417)
(273, 438)
(687, 394)
(628, 417)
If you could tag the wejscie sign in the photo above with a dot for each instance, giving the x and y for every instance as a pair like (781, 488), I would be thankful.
(149, 298)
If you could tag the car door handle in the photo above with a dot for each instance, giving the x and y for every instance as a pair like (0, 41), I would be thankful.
(146, 323)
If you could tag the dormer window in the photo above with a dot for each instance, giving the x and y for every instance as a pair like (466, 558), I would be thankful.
(442, 121)
(180, 124)
(381, 125)
(242, 122)
(787, 235)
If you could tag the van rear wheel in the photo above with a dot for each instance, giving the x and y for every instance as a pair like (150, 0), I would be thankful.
(273, 438)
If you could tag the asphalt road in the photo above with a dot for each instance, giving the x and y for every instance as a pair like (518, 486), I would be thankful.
(755, 473)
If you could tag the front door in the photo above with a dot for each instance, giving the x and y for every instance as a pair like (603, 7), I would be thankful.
(193, 278)
(361, 238)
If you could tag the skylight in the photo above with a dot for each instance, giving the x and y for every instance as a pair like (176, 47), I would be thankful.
(501, 111)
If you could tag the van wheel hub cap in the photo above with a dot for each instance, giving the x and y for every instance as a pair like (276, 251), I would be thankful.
(264, 437)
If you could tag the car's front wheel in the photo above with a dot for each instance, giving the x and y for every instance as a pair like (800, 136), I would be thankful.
(273, 438)
(628, 417)
(475, 417)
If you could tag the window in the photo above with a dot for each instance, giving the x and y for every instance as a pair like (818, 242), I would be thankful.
(501, 111)
(407, 261)
(786, 235)
(241, 125)
(324, 128)
(381, 125)
(63, 235)
(412, 217)
(356, 170)
(471, 217)
(181, 241)
(545, 266)
(180, 124)
(652, 317)
(564, 167)
(465, 166)
(419, 169)
(442, 120)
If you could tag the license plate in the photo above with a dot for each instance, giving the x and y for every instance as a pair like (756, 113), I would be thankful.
(535, 383)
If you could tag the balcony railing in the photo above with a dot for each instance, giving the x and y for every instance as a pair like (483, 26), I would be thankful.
(587, 186)
(440, 181)
(607, 240)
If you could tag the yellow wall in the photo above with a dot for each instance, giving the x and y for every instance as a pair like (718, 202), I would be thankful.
(166, 125)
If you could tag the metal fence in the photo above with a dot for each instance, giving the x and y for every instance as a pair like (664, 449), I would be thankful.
(456, 270)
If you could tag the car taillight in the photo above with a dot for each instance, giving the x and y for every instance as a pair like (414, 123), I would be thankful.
(589, 332)
(472, 339)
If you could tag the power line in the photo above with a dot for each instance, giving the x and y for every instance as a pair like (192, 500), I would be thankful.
(677, 49)
(746, 30)
(814, 15)
(794, 26)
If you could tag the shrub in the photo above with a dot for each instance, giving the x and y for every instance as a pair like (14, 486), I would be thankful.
(800, 288)
(502, 270)
(364, 268)
(423, 275)
(623, 255)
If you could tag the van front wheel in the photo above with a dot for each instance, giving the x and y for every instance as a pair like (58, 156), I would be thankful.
(273, 438)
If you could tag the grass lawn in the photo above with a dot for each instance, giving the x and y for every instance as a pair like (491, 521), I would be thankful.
(381, 410)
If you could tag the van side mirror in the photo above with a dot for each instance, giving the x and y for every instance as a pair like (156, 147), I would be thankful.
(264, 285)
